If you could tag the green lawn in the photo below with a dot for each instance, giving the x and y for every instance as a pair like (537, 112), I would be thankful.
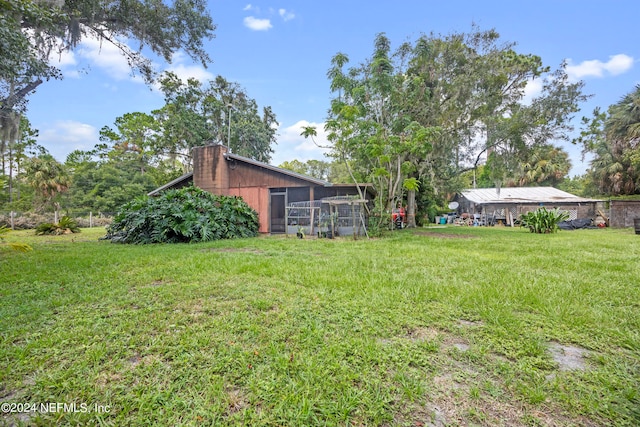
(428, 327)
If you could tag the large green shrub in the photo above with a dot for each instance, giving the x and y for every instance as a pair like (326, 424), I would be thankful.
(543, 220)
(185, 215)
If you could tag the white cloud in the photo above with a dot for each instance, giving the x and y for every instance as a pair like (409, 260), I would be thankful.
(248, 7)
(257, 24)
(287, 16)
(292, 146)
(66, 61)
(186, 71)
(65, 136)
(617, 64)
(62, 59)
(531, 90)
(107, 57)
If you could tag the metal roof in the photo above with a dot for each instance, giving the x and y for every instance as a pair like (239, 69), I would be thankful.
(485, 196)
(178, 180)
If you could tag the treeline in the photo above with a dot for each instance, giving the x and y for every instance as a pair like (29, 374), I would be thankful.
(139, 152)
(420, 121)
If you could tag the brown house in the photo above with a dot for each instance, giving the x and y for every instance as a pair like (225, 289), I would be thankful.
(269, 190)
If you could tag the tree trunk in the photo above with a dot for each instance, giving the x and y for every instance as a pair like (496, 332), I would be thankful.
(411, 208)
(10, 176)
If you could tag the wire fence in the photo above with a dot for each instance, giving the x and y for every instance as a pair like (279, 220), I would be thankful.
(344, 215)
(28, 220)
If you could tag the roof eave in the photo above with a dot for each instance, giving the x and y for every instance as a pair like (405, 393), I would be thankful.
(171, 184)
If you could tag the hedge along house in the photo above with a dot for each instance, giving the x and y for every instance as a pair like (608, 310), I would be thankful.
(506, 205)
(268, 189)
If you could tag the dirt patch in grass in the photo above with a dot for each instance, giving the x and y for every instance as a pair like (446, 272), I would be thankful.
(413, 334)
(159, 282)
(458, 343)
(446, 235)
(18, 418)
(470, 323)
(236, 401)
(421, 334)
(568, 357)
(463, 396)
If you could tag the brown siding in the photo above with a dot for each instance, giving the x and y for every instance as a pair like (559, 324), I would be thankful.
(258, 199)
(246, 175)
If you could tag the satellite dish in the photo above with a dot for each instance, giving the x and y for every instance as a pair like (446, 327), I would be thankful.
(453, 205)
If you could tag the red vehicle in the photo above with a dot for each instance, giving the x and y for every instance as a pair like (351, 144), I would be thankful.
(399, 217)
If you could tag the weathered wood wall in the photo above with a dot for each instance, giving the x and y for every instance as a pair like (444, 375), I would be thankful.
(622, 212)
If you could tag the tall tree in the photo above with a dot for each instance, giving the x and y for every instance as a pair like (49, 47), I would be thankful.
(105, 185)
(614, 140)
(220, 111)
(16, 151)
(544, 165)
(367, 124)
(434, 108)
(134, 139)
(31, 31)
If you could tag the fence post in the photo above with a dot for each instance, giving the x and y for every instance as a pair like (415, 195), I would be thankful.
(90, 219)
(11, 220)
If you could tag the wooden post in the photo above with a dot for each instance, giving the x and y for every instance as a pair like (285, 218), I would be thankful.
(353, 219)
(313, 211)
(333, 230)
(90, 219)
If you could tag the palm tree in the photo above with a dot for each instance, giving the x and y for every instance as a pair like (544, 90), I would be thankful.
(547, 165)
(48, 178)
(607, 170)
(623, 124)
(621, 158)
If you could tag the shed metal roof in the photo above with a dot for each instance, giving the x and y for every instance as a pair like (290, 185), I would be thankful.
(170, 184)
(485, 196)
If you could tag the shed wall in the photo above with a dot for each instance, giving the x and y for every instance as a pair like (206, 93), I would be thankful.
(577, 210)
(246, 175)
(258, 199)
(622, 212)
(582, 210)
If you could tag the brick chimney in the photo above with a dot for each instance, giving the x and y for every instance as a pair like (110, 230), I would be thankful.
(210, 169)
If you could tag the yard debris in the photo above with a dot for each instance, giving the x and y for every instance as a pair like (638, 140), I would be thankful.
(576, 224)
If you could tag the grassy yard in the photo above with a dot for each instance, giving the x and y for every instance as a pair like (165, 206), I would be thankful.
(429, 327)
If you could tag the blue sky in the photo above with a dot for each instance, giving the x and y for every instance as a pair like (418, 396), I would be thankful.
(279, 51)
